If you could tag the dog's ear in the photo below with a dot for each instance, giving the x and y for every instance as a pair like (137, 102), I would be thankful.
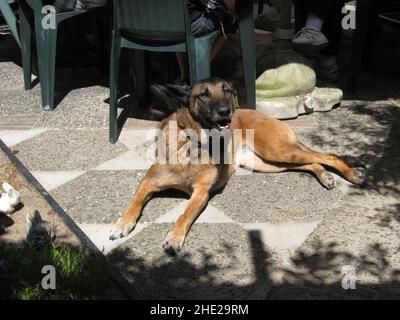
(181, 92)
(33, 218)
(235, 99)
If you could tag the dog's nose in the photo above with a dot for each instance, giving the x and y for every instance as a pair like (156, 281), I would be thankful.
(224, 111)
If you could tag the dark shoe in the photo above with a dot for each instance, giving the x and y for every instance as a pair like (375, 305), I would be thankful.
(309, 42)
(327, 71)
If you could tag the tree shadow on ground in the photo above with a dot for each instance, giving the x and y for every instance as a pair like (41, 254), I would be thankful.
(318, 275)
(375, 142)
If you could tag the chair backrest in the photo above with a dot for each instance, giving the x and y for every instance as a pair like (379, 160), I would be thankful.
(151, 15)
(37, 5)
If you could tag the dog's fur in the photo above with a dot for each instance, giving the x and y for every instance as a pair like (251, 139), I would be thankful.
(210, 105)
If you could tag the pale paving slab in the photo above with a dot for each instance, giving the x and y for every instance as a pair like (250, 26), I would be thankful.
(68, 150)
(13, 137)
(131, 160)
(209, 215)
(283, 237)
(99, 235)
(134, 138)
(18, 122)
(141, 154)
(100, 196)
(53, 179)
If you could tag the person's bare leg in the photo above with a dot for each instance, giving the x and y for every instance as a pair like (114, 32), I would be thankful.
(231, 5)
(216, 47)
(260, 39)
(182, 58)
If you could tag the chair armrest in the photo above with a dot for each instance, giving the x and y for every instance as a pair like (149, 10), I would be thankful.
(10, 18)
(37, 6)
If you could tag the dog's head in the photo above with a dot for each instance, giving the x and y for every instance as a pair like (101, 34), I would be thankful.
(211, 102)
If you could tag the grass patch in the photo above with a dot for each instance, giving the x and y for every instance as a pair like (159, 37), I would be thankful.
(79, 274)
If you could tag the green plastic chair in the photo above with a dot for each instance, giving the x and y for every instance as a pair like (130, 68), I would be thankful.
(9, 15)
(46, 43)
(164, 26)
(17, 28)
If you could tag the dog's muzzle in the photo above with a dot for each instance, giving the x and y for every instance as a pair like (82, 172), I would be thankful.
(221, 116)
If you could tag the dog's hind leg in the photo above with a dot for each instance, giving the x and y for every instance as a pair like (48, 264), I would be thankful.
(253, 162)
(275, 141)
(296, 153)
(328, 159)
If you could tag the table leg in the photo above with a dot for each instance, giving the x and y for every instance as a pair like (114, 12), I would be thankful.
(246, 29)
(363, 13)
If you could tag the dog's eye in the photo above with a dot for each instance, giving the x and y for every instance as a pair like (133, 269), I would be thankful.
(205, 94)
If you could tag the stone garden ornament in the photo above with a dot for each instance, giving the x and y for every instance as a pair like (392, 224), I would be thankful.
(9, 199)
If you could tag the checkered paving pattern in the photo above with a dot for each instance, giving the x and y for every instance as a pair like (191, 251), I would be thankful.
(95, 181)
(114, 172)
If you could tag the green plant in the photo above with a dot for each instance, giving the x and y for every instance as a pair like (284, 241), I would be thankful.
(79, 274)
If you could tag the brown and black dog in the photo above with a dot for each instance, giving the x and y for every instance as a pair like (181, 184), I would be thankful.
(212, 105)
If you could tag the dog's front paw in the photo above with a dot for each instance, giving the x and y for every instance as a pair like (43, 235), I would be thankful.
(173, 243)
(121, 229)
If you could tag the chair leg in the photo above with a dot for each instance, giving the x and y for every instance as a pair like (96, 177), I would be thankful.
(114, 79)
(142, 77)
(246, 28)
(360, 35)
(200, 62)
(46, 42)
(26, 44)
(260, 7)
(373, 30)
(99, 30)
